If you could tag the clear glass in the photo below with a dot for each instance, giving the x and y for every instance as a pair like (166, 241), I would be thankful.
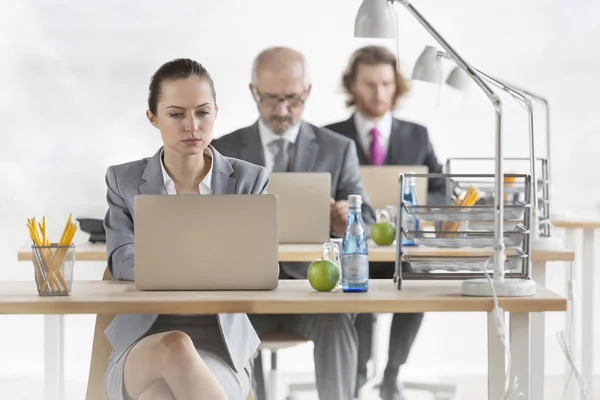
(355, 254)
(392, 212)
(409, 221)
(332, 251)
(388, 215)
(385, 215)
(53, 268)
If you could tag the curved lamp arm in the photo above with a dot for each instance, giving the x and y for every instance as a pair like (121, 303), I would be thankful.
(546, 104)
(522, 98)
(524, 101)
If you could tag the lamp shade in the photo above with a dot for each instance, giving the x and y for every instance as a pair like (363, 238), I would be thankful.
(458, 79)
(428, 67)
(375, 19)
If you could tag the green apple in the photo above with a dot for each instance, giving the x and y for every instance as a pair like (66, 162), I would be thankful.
(323, 275)
(383, 233)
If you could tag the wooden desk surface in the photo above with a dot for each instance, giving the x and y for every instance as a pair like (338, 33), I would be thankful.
(582, 222)
(309, 252)
(292, 296)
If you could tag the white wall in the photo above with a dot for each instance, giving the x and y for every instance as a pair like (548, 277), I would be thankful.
(73, 87)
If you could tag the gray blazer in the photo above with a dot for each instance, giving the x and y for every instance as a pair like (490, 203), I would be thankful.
(316, 150)
(144, 176)
(409, 145)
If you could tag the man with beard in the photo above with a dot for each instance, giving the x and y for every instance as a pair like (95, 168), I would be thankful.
(374, 86)
(281, 141)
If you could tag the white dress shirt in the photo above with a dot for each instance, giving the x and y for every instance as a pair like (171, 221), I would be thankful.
(364, 126)
(267, 136)
(205, 185)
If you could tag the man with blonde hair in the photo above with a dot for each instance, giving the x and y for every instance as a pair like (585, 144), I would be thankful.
(374, 86)
(281, 141)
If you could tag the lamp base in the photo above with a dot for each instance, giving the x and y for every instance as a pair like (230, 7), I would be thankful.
(547, 243)
(510, 287)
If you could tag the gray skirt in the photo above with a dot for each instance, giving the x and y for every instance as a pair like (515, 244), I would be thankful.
(235, 385)
(209, 346)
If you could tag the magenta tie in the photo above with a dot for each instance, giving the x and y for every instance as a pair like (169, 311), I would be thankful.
(376, 151)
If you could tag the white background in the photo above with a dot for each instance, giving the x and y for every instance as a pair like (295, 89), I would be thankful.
(73, 89)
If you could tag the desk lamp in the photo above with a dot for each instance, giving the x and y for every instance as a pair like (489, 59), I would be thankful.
(375, 18)
(457, 80)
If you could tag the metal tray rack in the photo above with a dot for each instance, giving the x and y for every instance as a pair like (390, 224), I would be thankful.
(485, 213)
(422, 261)
(468, 238)
(459, 266)
(486, 188)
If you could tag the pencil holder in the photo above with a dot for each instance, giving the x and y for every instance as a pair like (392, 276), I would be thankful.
(53, 266)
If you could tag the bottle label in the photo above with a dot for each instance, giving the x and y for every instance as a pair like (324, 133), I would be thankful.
(355, 268)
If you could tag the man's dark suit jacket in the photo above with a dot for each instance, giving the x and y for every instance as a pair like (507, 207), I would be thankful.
(409, 144)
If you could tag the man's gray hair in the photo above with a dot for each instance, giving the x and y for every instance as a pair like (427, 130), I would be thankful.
(272, 54)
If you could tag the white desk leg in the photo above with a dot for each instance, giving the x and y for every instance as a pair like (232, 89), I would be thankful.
(376, 375)
(587, 310)
(496, 361)
(54, 371)
(538, 339)
(519, 352)
(378, 363)
(571, 332)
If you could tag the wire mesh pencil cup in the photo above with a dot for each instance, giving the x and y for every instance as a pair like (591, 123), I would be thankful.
(53, 267)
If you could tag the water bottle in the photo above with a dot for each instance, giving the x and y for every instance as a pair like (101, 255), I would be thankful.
(409, 222)
(355, 254)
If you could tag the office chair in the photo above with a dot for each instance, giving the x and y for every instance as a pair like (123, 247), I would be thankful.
(273, 343)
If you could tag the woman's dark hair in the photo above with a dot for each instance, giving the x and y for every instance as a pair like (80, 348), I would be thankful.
(179, 68)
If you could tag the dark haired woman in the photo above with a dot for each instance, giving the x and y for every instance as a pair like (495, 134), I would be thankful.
(178, 357)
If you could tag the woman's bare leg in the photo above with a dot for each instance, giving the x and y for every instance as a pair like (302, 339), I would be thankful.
(172, 357)
(159, 390)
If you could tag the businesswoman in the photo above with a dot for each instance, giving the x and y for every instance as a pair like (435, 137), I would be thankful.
(177, 357)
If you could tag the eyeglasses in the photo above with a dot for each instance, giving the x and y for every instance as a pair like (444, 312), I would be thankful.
(272, 100)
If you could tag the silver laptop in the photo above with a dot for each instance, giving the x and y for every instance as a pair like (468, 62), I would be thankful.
(381, 183)
(213, 242)
(304, 210)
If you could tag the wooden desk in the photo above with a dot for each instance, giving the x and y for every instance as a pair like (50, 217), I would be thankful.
(296, 296)
(591, 221)
(291, 297)
(310, 252)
